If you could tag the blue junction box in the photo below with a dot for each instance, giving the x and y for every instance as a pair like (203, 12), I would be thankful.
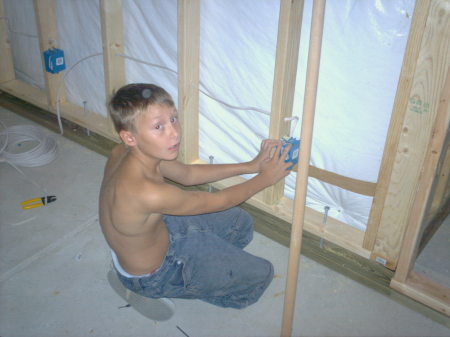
(292, 156)
(54, 60)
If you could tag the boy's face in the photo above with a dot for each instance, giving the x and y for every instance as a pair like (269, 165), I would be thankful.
(158, 132)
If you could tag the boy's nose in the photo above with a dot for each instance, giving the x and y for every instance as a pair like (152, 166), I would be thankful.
(174, 131)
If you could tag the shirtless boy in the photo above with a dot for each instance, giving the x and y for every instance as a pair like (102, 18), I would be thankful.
(169, 242)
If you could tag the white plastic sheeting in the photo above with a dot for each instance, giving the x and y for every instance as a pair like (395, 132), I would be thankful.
(363, 47)
(24, 42)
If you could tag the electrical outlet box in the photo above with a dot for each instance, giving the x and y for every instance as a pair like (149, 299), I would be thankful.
(293, 153)
(54, 60)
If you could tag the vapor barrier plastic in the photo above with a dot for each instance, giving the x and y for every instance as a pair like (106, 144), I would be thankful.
(23, 35)
(362, 54)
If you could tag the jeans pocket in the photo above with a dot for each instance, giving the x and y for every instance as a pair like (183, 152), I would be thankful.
(177, 282)
(177, 278)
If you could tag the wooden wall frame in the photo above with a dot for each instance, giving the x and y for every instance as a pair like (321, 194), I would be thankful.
(113, 46)
(405, 280)
(408, 137)
(418, 108)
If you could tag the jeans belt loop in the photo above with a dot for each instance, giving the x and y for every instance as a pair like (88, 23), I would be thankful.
(136, 282)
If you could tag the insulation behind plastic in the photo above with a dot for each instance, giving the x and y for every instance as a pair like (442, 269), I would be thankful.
(362, 53)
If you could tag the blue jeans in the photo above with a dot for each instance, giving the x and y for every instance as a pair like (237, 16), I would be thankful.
(205, 260)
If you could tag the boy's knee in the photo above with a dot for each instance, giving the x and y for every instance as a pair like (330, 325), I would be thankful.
(245, 220)
(267, 271)
(243, 229)
(262, 280)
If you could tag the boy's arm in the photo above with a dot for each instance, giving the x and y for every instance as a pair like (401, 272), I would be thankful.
(197, 174)
(168, 199)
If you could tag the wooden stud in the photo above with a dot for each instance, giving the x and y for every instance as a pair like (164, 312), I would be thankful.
(398, 115)
(189, 77)
(6, 59)
(442, 181)
(312, 79)
(288, 41)
(439, 137)
(48, 38)
(113, 45)
(429, 77)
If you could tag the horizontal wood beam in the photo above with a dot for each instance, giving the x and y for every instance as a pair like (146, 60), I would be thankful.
(425, 291)
(76, 114)
(346, 183)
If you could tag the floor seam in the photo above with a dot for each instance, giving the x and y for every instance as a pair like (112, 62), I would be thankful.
(58, 243)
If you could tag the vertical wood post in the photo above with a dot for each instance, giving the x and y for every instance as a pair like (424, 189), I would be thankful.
(312, 79)
(407, 281)
(416, 31)
(113, 44)
(6, 60)
(288, 41)
(48, 38)
(440, 135)
(414, 135)
(189, 77)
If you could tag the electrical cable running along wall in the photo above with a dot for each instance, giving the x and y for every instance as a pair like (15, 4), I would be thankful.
(362, 53)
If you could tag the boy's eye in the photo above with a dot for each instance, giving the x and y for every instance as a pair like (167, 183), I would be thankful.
(158, 126)
(174, 119)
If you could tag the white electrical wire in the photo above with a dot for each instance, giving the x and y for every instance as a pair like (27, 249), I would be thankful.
(58, 112)
(202, 91)
(61, 82)
(41, 154)
(44, 152)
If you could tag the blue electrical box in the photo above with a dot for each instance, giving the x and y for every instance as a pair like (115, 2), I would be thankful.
(292, 156)
(54, 60)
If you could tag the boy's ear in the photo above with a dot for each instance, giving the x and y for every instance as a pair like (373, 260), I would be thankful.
(127, 137)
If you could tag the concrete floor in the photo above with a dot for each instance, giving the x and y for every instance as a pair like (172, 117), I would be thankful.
(434, 261)
(54, 261)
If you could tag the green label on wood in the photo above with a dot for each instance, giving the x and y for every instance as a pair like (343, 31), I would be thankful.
(418, 106)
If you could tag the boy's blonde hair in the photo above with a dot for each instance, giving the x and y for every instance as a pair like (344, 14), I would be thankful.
(131, 100)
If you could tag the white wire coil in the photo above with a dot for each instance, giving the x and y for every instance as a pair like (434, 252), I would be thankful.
(43, 153)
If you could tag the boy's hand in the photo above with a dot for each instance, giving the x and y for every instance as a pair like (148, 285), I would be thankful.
(265, 153)
(274, 168)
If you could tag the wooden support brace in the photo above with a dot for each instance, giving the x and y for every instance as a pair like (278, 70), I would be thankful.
(439, 138)
(312, 79)
(48, 38)
(113, 46)
(413, 284)
(414, 134)
(398, 115)
(288, 41)
(189, 77)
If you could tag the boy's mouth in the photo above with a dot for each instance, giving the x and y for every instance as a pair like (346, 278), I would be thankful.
(174, 147)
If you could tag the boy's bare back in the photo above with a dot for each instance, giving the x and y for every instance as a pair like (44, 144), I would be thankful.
(139, 238)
